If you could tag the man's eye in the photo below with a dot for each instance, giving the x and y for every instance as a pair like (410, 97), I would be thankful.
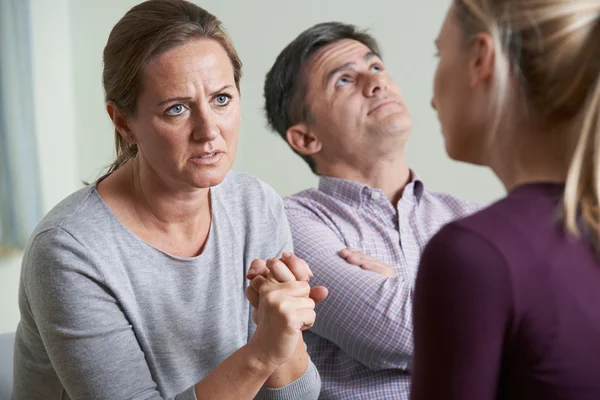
(343, 81)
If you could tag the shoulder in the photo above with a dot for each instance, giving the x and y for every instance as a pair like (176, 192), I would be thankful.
(513, 228)
(449, 203)
(305, 200)
(76, 214)
(510, 217)
(68, 231)
(242, 184)
(484, 236)
(314, 206)
(464, 262)
(244, 193)
(461, 241)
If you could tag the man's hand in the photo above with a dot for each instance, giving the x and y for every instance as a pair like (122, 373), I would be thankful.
(367, 263)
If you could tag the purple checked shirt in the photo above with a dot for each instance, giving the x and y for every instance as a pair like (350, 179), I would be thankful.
(362, 340)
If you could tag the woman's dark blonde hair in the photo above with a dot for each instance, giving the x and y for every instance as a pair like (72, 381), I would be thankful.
(146, 31)
(553, 48)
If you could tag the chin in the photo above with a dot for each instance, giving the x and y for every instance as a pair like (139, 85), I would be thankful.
(400, 124)
(205, 176)
(208, 177)
(464, 153)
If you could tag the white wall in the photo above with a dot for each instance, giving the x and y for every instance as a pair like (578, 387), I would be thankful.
(75, 135)
(9, 288)
(260, 29)
(54, 102)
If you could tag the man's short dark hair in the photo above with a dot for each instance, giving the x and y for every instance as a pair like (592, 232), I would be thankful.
(285, 84)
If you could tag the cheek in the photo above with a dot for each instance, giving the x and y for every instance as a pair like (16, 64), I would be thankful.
(443, 96)
(230, 124)
(450, 102)
(156, 135)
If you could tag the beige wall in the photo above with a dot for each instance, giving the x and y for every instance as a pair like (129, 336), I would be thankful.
(76, 139)
(260, 29)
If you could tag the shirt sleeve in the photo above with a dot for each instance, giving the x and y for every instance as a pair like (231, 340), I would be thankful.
(88, 338)
(367, 315)
(307, 387)
(462, 304)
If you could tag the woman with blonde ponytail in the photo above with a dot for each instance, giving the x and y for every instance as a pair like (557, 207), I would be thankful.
(507, 301)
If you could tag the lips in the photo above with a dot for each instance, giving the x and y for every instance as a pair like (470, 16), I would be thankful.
(207, 155)
(383, 104)
(206, 158)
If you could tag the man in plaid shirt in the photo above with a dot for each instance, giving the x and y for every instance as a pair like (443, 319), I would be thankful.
(362, 231)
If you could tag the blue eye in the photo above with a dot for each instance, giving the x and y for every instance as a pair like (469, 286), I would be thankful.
(343, 81)
(222, 99)
(175, 110)
(376, 68)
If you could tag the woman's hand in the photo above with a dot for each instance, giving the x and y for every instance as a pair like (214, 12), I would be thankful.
(260, 270)
(283, 305)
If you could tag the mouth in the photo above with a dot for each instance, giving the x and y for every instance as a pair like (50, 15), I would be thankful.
(207, 158)
(383, 104)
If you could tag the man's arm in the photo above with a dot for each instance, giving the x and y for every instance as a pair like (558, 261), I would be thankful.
(367, 315)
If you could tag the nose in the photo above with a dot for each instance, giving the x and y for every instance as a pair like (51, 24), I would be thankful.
(205, 127)
(374, 83)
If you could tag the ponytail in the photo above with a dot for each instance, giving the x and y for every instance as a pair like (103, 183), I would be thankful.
(582, 191)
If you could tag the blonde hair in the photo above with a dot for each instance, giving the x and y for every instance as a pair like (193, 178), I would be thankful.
(553, 48)
(146, 31)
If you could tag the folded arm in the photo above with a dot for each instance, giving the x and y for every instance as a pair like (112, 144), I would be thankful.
(366, 314)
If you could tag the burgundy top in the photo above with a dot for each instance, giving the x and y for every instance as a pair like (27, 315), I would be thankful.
(507, 306)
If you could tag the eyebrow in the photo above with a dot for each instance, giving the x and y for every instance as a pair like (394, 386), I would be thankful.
(174, 99)
(221, 89)
(182, 99)
(346, 67)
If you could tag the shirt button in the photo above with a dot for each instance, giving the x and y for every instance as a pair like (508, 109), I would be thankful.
(375, 195)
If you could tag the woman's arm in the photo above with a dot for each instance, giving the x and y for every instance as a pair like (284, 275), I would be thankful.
(461, 310)
(287, 269)
(94, 350)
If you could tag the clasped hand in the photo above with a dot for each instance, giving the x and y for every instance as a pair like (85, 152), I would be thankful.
(283, 304)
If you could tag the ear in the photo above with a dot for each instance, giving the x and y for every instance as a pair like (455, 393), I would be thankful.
(301, 139)
(482, 59)
(119, 120)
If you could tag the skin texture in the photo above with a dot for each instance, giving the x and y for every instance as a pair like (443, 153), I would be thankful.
(360, 121)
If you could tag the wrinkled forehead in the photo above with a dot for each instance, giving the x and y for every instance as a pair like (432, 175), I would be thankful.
(334, 55)
(200, 60)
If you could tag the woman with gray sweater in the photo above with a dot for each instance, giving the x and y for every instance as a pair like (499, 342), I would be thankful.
(135, 287)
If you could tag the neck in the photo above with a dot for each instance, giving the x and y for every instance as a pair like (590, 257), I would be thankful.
(390, 175)
(164, 204)
(531, 156)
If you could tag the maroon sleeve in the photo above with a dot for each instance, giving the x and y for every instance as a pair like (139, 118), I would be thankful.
(461, 310)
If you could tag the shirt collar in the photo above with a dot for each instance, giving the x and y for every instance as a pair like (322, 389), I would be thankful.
(355, 193)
